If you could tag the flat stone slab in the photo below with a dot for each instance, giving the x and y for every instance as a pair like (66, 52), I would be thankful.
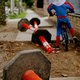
(44, 23)
(26, 36)
(8, 36)
(27, 60)
(31, 14)
(11, 20)
(67, 78)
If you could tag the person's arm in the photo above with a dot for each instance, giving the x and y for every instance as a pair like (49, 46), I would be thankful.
(50, 7)
(69, 6)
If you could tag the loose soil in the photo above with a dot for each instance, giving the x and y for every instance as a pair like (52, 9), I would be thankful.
(63, 64)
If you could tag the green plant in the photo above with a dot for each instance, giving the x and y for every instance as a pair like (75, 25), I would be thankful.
(22, 15)
(32, 8)
(7, 4)
(10, 12)
(1, 0)
(23, 4)
(16, 3)
(2, 12)
(29, 2)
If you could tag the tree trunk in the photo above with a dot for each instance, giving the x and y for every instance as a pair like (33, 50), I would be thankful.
(2, 13)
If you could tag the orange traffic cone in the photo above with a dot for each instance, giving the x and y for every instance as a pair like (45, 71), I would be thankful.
(29, 27)
(35, 24)
(30, 75)
(46, 44)
(42, 39)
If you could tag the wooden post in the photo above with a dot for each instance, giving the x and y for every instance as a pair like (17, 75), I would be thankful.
(12, 7)
(19, 6)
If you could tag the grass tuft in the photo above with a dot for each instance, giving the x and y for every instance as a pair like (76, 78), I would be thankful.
(15, 16)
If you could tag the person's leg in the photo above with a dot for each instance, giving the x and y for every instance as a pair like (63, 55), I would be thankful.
(72, 32)
(58, 35)
(71, 29)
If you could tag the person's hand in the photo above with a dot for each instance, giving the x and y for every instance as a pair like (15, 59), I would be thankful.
(51, 14)
(70, 11)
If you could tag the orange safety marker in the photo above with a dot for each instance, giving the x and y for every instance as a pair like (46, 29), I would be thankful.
(42, 39)
(46, 44)
(35, 24)
(29, 27)
(31, 75)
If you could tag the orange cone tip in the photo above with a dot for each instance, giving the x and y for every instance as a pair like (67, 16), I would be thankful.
(31, 75)
(35, 24)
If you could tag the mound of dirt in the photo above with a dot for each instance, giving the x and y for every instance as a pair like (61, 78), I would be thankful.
(62, 64)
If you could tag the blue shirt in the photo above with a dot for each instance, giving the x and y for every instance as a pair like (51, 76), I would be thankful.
(60, 10)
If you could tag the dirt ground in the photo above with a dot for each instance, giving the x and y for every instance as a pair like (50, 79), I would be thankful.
(63, 64)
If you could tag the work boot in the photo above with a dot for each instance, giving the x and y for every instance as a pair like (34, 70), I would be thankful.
(75, 39)
(56, 47)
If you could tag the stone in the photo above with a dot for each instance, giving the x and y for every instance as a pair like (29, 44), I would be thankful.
(27, 60)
